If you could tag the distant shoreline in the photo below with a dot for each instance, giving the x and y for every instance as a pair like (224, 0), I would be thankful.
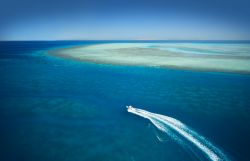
(142, 54)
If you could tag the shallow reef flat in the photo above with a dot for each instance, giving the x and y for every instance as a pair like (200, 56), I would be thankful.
(191, 56)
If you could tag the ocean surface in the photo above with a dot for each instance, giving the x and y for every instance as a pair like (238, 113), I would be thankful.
(53, 108)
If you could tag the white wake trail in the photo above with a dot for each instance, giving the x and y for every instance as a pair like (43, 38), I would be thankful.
(164, 123)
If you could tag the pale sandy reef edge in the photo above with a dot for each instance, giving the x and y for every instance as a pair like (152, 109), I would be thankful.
(212, 57)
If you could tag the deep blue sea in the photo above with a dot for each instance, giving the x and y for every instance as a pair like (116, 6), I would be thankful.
(55, 109)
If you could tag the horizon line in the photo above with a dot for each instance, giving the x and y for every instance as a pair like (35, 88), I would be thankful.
(134, 40)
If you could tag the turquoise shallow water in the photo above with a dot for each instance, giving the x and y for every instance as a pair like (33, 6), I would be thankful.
(58, 109)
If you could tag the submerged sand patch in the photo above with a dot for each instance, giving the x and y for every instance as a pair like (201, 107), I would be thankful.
(209, 57)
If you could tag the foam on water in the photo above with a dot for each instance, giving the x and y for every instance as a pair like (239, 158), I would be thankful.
(165, 123)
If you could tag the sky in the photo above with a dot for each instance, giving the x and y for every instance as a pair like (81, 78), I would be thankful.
(124, 20)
